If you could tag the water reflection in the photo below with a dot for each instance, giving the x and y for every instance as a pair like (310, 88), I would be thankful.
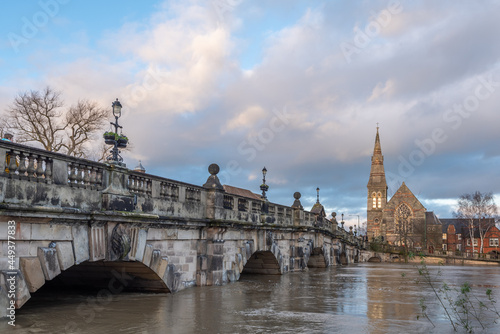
(364, 298)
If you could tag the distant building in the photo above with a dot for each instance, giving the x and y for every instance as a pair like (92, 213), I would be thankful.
(457, 237)
(402, 220)
(453, 230)
(140, 168)
(490, 239)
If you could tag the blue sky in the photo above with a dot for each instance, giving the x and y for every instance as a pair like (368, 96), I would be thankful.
(296, 86)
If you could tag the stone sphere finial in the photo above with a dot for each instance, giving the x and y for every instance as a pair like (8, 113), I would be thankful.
(296, 195)
(334, 214)
(213, 169)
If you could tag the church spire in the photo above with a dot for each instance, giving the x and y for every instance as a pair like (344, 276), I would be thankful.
(377, 172)
(377, 150)
(377, 192)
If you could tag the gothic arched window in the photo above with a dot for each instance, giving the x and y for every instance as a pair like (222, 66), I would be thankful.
(374, 200)
(379, 200)
(402, 218)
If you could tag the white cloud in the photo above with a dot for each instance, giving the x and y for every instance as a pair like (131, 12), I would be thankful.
(246, 119)
(187, 102)
(382, 90)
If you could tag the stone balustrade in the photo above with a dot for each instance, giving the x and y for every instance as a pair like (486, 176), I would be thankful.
(84, 175)
(23, 164)
(34, 177)
(140, 184)
(169, 191)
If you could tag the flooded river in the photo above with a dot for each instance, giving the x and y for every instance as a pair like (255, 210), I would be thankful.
(359, 298)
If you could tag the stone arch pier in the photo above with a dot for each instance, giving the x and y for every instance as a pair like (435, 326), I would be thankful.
(78, 221)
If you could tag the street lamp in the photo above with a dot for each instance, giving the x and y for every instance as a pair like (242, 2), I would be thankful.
(358, 219)
(264, 187)
(118, 141)
(117, 109)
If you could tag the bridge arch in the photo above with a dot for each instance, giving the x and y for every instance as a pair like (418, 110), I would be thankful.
(317, 259)
(343, 258)
(375, 258)
(81, 256)
(111, 276)
(262, 262)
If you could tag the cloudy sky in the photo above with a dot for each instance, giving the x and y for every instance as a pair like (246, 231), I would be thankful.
(295, 86)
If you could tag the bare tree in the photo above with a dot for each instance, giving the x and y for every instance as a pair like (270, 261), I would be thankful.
(478, 211)
(99, 152)
(82, 121)
(40, 117)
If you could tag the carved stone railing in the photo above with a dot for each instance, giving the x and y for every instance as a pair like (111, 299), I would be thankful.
(85, 175)
(23, 164)
(92, 186)
(169, 191)
(193, 194)
(140, 184)
(165, 197)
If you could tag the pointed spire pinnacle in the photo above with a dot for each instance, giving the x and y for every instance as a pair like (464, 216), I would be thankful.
(377, 173)
(317, 195)
(377, 149)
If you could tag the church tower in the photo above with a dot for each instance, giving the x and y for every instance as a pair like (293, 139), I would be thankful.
(377, 192)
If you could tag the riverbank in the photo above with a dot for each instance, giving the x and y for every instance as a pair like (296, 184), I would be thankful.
(437, 259)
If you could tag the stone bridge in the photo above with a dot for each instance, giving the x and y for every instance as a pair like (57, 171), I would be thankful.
(80, 222)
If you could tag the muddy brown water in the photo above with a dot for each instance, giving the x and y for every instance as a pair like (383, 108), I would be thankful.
(359, 298)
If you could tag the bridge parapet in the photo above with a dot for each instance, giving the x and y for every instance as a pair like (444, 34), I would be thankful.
(34, 177)
(77, 217)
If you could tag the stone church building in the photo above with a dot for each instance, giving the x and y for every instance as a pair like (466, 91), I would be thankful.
(401, 220)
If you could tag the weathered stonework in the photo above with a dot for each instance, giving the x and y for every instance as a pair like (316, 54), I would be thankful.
(139, 237)
(64, 250)
(148, 253)
(167, 235)
(97, 243)
(49, 262)
(33, 273)
(80, 236)
(13, 280)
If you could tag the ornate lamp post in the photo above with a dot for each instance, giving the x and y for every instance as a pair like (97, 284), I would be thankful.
(264, 187)
(358, 219)
(112, 138)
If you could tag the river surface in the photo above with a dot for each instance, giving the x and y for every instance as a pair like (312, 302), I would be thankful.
(359, 298)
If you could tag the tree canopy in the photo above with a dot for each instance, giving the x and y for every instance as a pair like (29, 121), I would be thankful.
(41, 116)
(477, 211)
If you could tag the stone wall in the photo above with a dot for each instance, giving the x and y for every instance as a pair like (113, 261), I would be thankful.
(76, 220)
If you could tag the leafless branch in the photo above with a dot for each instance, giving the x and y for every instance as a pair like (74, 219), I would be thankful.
(40, 117)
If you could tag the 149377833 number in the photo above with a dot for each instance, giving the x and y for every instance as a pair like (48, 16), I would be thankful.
(11, 231)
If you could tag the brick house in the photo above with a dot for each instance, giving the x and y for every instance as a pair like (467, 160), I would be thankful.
(453, 232)
(491, 242)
